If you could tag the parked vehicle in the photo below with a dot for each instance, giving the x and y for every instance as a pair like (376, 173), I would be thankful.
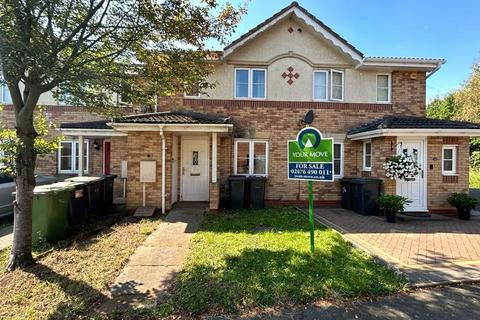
(390, 205)
(7, 187)
(463, 203)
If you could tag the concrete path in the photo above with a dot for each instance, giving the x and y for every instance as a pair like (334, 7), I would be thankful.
(153, 266)
(6, 237)
(445, 303)
(440, 250)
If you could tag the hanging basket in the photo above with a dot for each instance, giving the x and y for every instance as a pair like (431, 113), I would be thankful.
(403, 167)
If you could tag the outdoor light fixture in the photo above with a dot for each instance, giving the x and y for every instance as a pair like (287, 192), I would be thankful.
(96, 145)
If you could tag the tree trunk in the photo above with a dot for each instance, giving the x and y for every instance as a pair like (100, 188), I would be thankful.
(21, 254)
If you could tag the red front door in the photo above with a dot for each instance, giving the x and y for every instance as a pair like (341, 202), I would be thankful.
(106, 157)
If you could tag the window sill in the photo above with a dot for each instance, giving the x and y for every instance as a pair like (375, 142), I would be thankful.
(235, 98)
(449, 174)
(384, 102)
(367, 169)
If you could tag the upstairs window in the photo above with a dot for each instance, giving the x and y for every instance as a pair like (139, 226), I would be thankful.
(367, 156)
(449, 160)
(251, 157)
(320, 85)
(328, 85)
(383, 88)
(250, 83)
(337, 85)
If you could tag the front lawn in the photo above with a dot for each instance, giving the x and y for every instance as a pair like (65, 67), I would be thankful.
(67, 281)
(261, 258)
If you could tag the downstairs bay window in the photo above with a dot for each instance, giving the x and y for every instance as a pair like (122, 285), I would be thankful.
(251, 157)
(68, 155)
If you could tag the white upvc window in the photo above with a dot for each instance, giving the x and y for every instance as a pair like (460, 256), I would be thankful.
(320, 85)
(367, 155)
(337, 85)
(338, 159)
(68, 154)
(194, 92)
(251, 157)
(5, 96)
(384, 87)
(250, 83)
(449, 160)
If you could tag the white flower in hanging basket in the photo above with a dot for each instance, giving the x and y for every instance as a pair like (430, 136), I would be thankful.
(403, 167)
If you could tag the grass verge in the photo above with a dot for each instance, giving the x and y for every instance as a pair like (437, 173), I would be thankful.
(67, 281)
(257, 259)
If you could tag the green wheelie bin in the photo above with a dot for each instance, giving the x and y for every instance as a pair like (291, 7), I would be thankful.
(49, 214)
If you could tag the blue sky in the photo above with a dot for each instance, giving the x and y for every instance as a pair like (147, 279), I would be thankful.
(405, 28)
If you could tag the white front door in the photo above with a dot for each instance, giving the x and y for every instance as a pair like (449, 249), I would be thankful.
(195, 169)
(415, 188)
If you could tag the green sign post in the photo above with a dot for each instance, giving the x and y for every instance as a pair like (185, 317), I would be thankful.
(310, 158)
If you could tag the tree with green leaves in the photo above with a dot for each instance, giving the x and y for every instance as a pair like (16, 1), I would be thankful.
(443, 107)
(86, 50)
(469, 97)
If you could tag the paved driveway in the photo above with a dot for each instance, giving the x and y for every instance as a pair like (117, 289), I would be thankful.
(438, 250)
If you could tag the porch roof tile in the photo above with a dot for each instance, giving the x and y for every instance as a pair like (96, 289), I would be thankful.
(102, 124)
(400, 122)
(175, 117)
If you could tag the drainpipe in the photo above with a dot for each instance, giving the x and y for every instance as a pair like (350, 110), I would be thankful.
(164, 148)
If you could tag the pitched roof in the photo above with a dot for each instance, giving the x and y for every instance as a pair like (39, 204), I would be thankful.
(291, 7)
(400, 122)
(102, 125)
(174, 117)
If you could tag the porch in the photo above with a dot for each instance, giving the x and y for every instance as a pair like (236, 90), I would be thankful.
(428, 250)
(161, 158)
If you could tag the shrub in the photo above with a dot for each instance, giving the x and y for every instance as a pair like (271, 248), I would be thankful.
(461, 200)
(475, 160)
(474, 178)
(389, 203)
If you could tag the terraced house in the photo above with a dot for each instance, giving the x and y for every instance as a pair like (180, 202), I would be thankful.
(373, 107)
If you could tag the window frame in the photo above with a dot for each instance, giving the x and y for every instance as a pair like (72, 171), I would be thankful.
(452, 172)
(389, 87)
(73, 155)
(342, 159)
(251, 159)
(364, 156)
(327, 74)
(249, 83)
(3, 87)
(332, 71)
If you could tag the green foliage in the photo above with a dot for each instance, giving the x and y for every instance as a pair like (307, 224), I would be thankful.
(469, 97)
(474, 179)
(10, 144)
(462, 200)
(261, 258)
(443, 107)
(475, 160)
(389, 203)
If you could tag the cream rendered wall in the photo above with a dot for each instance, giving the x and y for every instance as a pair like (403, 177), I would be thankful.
(276, 50)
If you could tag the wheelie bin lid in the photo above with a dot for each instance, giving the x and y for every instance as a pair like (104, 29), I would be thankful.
(53, 188)
(84, 179)
(361, 180)
(257, 178)
(237, 177)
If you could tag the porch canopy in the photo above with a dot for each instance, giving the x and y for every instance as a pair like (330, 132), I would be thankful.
(413, 126)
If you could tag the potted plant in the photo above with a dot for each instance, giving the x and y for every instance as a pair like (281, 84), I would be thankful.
(391, 204)
(464, 204)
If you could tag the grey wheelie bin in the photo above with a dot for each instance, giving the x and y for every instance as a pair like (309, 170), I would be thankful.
(237, 191)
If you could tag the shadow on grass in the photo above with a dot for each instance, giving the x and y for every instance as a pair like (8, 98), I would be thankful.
(262, 278)
(80, 293)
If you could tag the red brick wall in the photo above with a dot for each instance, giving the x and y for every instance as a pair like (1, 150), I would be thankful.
(409, 93)
(439, 186)
(279, 122)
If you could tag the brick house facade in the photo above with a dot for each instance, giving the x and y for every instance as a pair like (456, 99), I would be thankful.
(266, 81)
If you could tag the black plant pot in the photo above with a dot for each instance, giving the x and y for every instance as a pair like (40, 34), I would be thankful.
(391, 217)
(463, 213)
